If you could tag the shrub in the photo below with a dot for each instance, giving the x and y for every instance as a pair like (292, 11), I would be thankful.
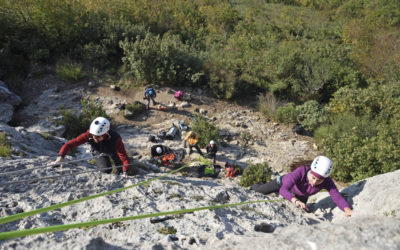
(205, 130)
(286, 113)
(268, 104)
(362, 138)
(311, 115)
(135, 109)
(166, 59)
(255, 173)
(78, 124)
(69, 71)
(167, 230)
(5, 147)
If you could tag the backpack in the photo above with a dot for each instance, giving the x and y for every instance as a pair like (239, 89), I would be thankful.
(208, 171)
(150, 91)
(178, 95)
(172, 132)
(230, 170)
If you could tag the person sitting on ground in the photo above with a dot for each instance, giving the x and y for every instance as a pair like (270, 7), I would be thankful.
(150, 93)
(212, 150)
(162, 155)
(105, 144)
(159, 150)
(192, 138)
(305, 181)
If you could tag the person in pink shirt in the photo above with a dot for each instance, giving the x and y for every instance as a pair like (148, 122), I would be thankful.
(305, 181)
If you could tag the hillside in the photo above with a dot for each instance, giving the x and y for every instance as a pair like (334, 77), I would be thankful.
(375, 223)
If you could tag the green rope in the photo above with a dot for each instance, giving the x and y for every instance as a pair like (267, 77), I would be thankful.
(22, 233)
(60, 205)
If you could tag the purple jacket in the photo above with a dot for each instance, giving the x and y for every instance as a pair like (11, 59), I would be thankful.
(297, 182)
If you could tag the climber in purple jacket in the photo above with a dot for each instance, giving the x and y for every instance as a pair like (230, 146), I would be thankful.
(304, 181)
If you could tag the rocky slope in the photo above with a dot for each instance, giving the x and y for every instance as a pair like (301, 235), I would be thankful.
(375, 224)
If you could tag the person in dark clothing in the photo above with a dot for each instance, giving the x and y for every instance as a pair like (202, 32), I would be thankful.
(212, 150)
(105, 144)
(159, 150)
(150, 93)
(305, 181)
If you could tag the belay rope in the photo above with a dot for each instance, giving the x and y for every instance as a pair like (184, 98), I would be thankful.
(42, 167)
(22, 233)
(60, 205)
(26, 232)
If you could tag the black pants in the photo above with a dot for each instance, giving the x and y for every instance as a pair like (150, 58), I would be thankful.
(272, 187)
(103, 164)
(213, 156)
(196, 147)
(267, 188)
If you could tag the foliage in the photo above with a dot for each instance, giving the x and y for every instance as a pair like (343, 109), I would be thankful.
(286, 113)
(78, 124)
(167, 230)
(135, 108)
(363, 136)
(311, 115)
(5, 147)
(204, 129)
(255, 173)
(69, 71)
(166, 59)
(267, 104)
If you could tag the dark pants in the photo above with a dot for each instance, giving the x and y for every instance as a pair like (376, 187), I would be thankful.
(148, 101)
(272, 187)
(267, 188)
(196, 147)
(213, 156)
(103, 164)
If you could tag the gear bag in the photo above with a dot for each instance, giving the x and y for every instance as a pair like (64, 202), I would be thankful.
(230, 170)
(172, 132)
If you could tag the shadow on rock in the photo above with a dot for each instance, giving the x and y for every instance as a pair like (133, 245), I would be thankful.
(326, 205)
(99, 243)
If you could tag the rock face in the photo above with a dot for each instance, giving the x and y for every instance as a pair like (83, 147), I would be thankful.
(271, 224)
(8, 100)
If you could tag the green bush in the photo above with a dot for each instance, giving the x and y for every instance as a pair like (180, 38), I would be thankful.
(311, 115)
(167, 230)
(166, 60)
(5, 147)
(136, 108)
(255, 173)
(78, 124)
(205, 130)
(69, 71)
(362, 138)
(286, 113)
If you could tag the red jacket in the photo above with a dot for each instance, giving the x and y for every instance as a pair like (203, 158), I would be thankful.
(85, 137)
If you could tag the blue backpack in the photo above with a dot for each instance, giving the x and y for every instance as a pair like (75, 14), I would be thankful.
(150, 92)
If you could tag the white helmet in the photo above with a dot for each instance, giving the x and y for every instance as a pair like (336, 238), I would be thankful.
(322, 166)
(159, 150)
(99, 126)
(212, 142)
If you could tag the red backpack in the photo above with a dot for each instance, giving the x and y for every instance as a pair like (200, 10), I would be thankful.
(230, 170)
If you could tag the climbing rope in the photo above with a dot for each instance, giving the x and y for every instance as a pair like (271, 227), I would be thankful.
(60, 205)
(26, 232)
(53, 177)
(43, 167)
